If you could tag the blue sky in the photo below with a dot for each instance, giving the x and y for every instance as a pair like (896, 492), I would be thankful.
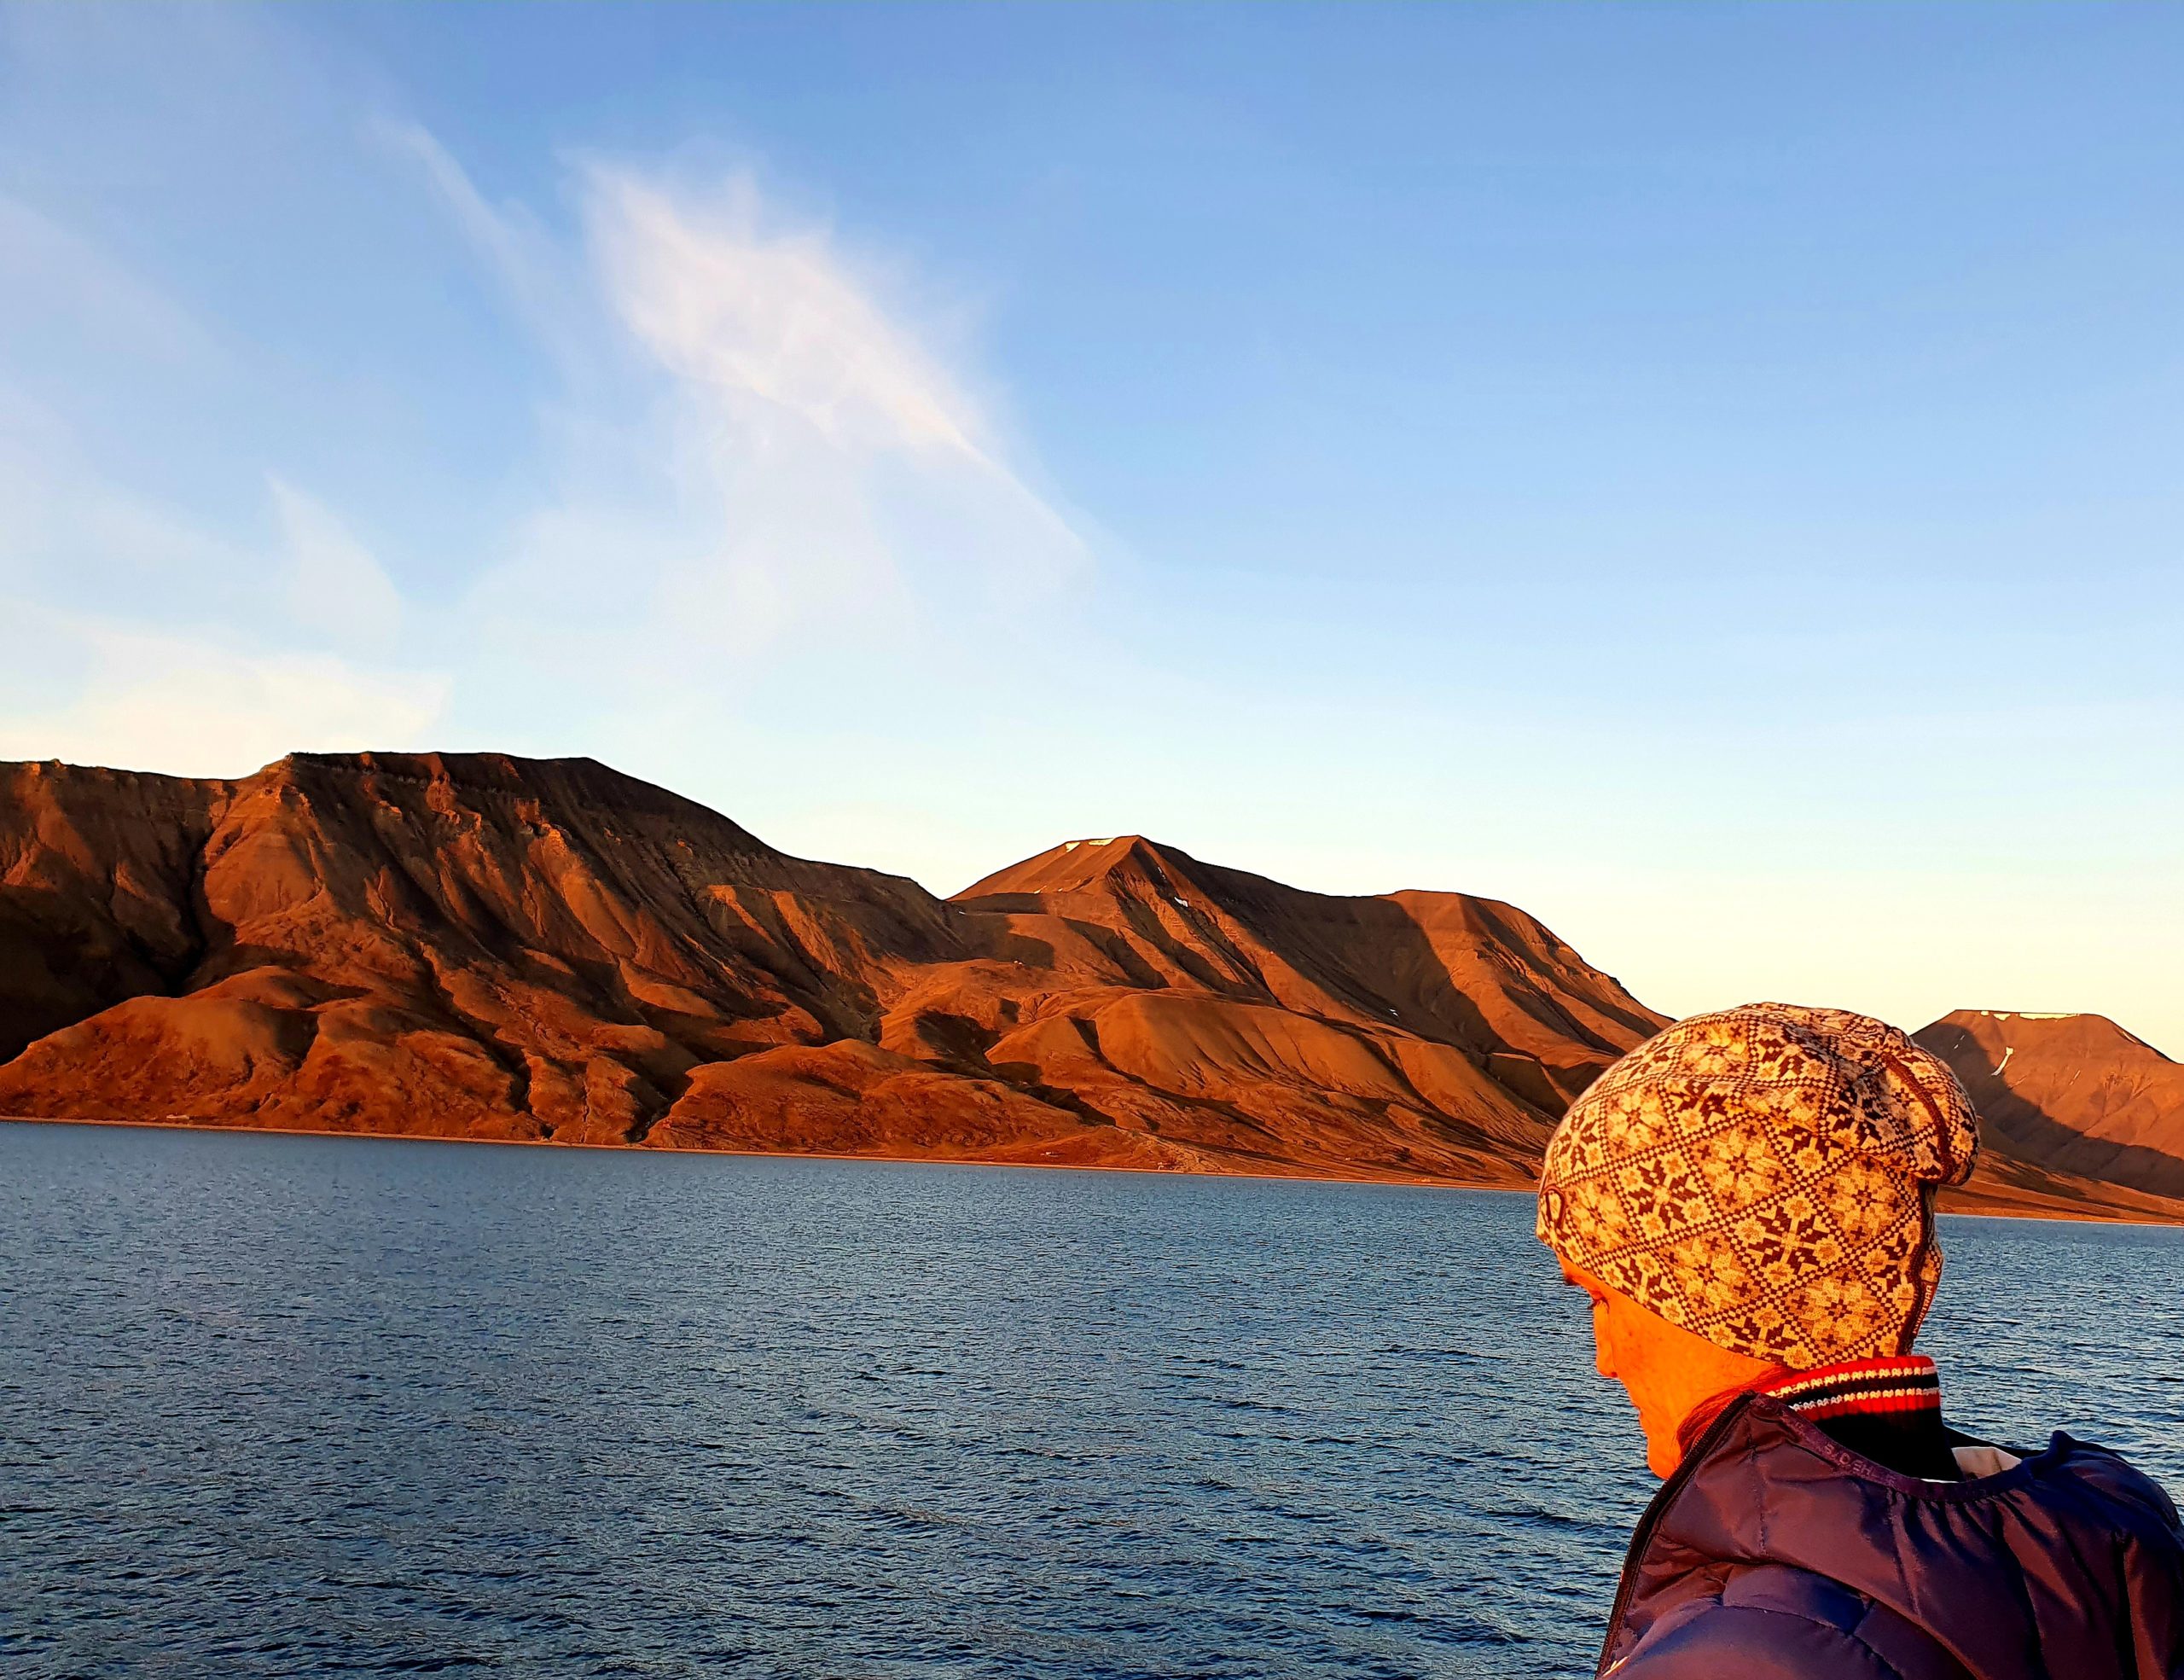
(1710, 476)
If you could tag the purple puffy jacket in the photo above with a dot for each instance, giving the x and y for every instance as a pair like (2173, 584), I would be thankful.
(1774, 1552)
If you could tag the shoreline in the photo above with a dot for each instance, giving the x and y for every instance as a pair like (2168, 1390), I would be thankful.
(548, 1143)
(2107, 1217)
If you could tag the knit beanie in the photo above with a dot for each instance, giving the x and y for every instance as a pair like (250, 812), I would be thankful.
(1764, 1178)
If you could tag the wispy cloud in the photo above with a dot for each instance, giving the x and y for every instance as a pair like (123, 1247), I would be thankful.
(753, 461)
(776, 449)
(57, 282)
(63, 522)
(335, 585)
(201, 705)
(510, 243)
(772, 322)
(211, 655)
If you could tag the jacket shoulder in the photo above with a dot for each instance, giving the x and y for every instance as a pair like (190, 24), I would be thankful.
(2135, 1501)
(1779, 1623)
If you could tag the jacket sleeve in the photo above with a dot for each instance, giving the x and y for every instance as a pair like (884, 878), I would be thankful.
(1777, 1624)
(1736, 1642)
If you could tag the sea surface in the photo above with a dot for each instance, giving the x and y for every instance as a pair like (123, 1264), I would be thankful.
(282, 1405)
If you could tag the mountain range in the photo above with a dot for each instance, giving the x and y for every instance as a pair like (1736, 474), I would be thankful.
(485, 947)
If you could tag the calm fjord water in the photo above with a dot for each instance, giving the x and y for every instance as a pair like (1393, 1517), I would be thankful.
(275, 1405)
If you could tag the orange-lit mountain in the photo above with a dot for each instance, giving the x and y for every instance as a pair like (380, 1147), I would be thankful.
(2070, 1094)
(1214, 1005)
(479, 946)
(486, 947)
(470, 946)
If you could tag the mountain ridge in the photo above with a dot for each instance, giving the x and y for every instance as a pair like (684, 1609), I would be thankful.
(480, 945)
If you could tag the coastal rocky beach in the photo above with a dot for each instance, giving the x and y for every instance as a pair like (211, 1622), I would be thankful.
(489, 948)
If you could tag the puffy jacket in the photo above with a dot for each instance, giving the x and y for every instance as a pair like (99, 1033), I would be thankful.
(1775, 1553)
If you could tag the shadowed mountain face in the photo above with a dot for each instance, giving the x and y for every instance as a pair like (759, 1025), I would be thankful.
(2071, 1094)
(478, 946)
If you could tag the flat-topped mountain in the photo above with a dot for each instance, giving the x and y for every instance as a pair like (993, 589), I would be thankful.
(479, 946)
(2071, 1093)
(460, 946)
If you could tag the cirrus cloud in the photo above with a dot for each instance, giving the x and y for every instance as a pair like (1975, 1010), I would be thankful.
(751, 443)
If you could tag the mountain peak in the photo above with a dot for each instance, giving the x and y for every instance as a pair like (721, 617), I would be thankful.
(1074, 864)
(2065, 1031)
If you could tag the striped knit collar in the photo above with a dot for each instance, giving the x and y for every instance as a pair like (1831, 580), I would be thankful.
(1906, 1384)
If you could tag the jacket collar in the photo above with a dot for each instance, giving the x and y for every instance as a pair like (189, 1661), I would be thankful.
(1904, 1386)
(1767, 1484)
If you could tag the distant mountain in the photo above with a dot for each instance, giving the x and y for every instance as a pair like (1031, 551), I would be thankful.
(2068, 1093)
(481, 946)
(477, 947)
(465, 946)
(1432, 1030)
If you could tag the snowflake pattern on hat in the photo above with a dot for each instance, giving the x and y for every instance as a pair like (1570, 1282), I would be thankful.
(1763, 1177)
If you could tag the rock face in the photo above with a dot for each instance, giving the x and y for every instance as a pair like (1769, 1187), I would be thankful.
(2073, 1095)
(470, 946)
(485, 947)
(479, 946)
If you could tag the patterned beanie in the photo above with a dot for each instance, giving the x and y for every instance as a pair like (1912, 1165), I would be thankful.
(1764, 1178)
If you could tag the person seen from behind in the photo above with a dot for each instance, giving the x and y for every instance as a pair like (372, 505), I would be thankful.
(1748, 1199)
